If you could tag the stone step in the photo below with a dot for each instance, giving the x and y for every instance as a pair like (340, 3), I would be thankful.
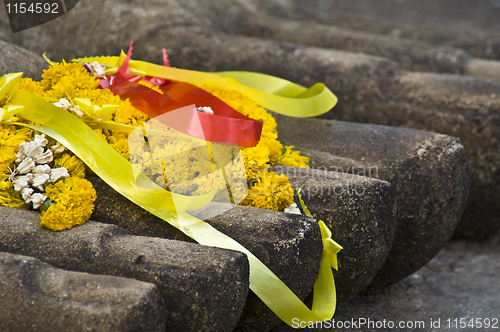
(374, 90)
(409, 54)
(429, 172)
(204, 288)
(18, 59)
(459, 284)
(464, 107)
(442, 46)
(290, 245)
(361, 213)
(471, 28)
(35, 296)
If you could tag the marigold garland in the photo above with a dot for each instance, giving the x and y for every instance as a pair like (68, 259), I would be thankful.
(62, 83)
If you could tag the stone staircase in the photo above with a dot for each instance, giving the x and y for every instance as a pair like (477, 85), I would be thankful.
(407, 160)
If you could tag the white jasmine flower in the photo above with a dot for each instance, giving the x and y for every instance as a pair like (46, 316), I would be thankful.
(26, 166)
(58, 148)
(39, 180)
(22, 182)
(63, 103)
(292, 208)
(26, 194)
(40, 140)
(44, 158)
(37, 199)
(97, 69)
(58, 173)
(31, 149)
(20, 154)
(205, 109)
(41, 169)
(77, 110)
(28, 150)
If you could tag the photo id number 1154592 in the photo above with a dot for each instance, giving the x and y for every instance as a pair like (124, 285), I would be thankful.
(33, 8)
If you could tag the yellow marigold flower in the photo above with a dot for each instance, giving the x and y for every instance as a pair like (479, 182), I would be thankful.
(256, 159)
(11, 198)
(74, 165)
(250, 108)
(239, 190)
(275, 149)
(65, 79)
(8, 196)
(270, 191)
(293, 158)
(119, 141)
(151, 86)
(10, 138)
(73, 203)
(102, 133)
(32, 86)
(74, 70)
(129, 115)
(187, 166)
(98, 97)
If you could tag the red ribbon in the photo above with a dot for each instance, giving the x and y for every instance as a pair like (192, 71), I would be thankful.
(226, 125)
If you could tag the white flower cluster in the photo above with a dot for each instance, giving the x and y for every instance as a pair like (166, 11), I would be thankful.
(64, 103)
(97, 69)
(292, 208)
(205, 109)
(32, 173)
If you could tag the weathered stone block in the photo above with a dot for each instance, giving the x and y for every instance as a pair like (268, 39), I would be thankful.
(473, 27)
(18, 59)
(463, 107)
(461, 281)
(361, 213)
(290, 245)
(204, 288)
(430, 174)
(35, 296)
(410, 54)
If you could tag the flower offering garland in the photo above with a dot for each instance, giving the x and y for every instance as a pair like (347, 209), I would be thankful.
(202, 137)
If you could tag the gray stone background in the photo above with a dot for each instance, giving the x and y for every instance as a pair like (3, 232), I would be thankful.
(430, 65)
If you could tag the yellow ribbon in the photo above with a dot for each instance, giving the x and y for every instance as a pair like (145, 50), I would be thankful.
(94, 111)
(276, 94)
(325, 283)
(8, 85)
(123, 177)
(115, 170)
